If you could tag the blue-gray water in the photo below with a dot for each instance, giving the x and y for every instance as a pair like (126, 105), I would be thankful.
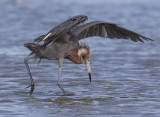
(125, 74)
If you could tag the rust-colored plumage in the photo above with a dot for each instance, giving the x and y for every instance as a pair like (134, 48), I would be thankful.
(80, 54)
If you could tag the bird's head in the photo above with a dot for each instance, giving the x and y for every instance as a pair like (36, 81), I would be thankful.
(77, 19)
(80, 55)
(84, 52)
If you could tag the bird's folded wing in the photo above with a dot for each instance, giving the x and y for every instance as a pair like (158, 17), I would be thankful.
(105, 30)
(53, 34)
(40, 38)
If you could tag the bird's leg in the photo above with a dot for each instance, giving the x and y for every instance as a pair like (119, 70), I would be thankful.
(29, 73)
(60, 62)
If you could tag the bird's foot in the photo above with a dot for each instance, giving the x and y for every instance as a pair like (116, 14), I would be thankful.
(32, 87)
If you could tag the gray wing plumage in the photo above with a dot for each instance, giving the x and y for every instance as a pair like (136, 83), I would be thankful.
(40, 38)
(61, 31)
(105, 30)
(54, 33)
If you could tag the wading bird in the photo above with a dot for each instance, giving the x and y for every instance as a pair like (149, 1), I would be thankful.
(62, 42)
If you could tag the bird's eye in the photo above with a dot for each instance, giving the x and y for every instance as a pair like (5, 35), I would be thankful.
(88, 60)
(73, 19)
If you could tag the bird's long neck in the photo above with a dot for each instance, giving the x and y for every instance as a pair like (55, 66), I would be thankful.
(77, 55)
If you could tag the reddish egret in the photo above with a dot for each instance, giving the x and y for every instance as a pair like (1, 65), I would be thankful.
(62, 42)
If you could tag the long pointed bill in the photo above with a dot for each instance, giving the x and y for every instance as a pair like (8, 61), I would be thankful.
(89, 76)
(89, 71)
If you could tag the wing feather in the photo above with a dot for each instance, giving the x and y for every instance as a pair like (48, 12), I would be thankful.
(105, 30)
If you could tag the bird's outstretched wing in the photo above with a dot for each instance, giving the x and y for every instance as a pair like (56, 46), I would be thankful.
(105, 30)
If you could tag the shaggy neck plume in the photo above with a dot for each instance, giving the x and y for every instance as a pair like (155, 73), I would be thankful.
(77, 55)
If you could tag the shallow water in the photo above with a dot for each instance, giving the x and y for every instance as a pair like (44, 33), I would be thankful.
(125, 75)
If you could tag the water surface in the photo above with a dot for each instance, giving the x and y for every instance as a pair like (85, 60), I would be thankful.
(125, 74)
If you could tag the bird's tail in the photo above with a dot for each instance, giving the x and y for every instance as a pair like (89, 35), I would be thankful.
(37, 49)
(32, 46)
